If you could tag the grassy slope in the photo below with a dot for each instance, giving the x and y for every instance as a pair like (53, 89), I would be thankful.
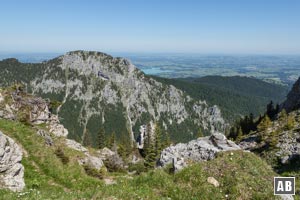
(235, 95)
(47, 178)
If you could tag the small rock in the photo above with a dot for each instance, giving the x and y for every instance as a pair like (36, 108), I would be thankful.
(213, 181)
(109, 181)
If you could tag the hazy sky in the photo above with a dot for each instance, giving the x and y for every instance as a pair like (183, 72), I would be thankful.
(211, 26)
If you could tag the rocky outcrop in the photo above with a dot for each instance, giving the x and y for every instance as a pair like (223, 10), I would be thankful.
(93, 161)
(201, 149)
(279, 142)
(54, 126)
(11, 169)
(287, 148)
(29, 109)
(293, 98)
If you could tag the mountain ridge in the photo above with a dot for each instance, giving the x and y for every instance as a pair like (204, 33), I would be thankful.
(94, 88)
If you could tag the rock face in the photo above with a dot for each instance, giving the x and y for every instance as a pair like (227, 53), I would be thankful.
(202, 149)
(11, 169)
(293, 98)
(95, 88)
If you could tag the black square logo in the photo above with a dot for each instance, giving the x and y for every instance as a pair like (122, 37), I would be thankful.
(284, 185)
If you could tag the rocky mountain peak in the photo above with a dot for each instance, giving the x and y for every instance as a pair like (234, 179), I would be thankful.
(97, 90)
(100, 64)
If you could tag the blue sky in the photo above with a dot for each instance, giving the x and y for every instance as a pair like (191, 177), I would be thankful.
(186, 26)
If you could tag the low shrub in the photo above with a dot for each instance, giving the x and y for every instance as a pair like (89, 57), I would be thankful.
(138, 167)
(61, 155)
(94, 172)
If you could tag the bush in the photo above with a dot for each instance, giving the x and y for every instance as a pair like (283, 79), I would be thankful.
(139, 167)
(94, 172)
(24, 117)
(61, 155)
(169, 168)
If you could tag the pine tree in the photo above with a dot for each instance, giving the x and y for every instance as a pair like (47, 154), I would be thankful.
(271, 112)
(124, 146)
(167, 140)
(101, 138)
(233, 132)
(111, 141)
(282, 118)
(147, 139)
(291, 121)
(273, 139)
(252, 126)
(264, 124)
(239, 134)
(150, 159)
(199, 133)
(87, 141)
(157, 139)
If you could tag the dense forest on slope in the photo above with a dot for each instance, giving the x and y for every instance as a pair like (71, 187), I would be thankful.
(236, 96)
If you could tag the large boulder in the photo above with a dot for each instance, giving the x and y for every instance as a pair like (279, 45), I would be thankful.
(55, 127)
(11, 169)
(91, 160)
(201, 149)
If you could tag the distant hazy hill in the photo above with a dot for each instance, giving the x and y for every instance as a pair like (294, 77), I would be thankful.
(235, 95)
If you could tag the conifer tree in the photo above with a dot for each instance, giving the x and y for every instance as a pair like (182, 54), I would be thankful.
(271, 112)
(252, 126)
(291, 121)
(87, 141)
(239, 134)
(124, 146)
(101, 138)
(273, 139)
(199, 133)
(111, 141)
(167, 140)
(282, 118)
(150, 159)
(157, 139)
(147, 139)
(264, 124)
